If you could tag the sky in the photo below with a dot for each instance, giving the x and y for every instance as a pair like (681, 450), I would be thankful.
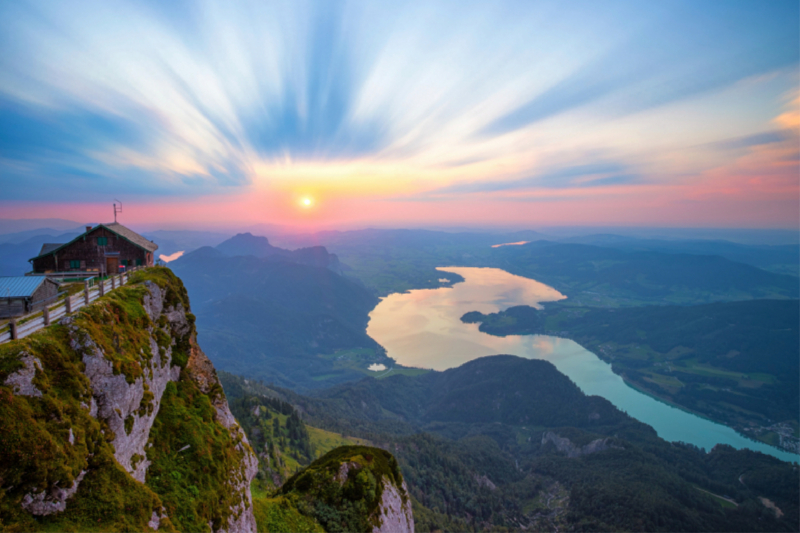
(322, 114)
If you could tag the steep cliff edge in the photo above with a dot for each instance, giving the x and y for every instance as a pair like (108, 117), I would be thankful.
(114, 419)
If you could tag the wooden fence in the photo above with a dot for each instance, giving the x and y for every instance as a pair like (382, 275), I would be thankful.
(93, 288)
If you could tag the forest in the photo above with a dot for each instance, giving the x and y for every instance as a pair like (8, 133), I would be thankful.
(470, 445)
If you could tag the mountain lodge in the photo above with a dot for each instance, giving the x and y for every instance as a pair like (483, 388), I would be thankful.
(105, 249)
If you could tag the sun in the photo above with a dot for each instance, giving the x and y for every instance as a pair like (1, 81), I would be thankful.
(306, 201)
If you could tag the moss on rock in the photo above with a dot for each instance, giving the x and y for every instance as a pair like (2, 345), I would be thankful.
(191, 449)
(49, 441)
(343, 489)
(53, 441)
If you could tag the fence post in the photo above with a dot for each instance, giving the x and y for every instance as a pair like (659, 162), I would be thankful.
(113, 285)
(86, 292)
(12, 327)
(102, 287)
(46, 315)
(69, 304)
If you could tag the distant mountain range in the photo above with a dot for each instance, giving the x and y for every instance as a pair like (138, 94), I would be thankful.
(602, 276)
(14, 255)
(58, 225)
(781, 259)
(247, 244)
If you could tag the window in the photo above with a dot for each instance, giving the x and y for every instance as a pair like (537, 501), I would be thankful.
(75, 263)
(139, 262)
(102, 241)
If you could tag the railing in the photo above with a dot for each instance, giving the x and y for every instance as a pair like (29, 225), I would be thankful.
(93, 288)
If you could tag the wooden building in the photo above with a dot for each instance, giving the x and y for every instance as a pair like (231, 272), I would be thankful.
(20, 295)
(105, 249)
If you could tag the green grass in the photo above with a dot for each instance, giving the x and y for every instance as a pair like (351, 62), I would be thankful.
(725, 504)
(355, 359)
(324, 441)
(399, 370)
(192, 483)
(279, 515)
(664, 380)
(324, 377)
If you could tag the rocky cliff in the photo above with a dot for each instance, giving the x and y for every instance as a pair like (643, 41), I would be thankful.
(353, 488)
(114, 419)
(566, 446)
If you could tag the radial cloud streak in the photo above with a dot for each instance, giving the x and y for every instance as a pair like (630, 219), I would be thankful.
(408, 110)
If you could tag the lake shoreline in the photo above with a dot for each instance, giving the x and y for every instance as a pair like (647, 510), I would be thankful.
(423, 329)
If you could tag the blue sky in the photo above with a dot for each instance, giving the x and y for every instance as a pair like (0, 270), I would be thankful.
(390, 108)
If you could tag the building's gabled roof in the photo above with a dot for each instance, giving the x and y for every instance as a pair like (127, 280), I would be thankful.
(132, 236)
(50, 246)
(19, 286)
(126, 233)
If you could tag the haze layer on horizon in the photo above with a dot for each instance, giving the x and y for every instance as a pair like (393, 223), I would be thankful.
(322, 113)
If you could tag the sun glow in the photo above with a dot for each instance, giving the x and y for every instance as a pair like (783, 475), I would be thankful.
(306, 202)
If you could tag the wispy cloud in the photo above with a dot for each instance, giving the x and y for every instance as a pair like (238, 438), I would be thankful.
(586, 175)
(188, 99)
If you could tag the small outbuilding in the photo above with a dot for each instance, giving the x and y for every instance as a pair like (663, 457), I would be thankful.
(103, 249)
(20, 295)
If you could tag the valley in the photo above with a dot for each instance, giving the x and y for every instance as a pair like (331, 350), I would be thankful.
(316, 367)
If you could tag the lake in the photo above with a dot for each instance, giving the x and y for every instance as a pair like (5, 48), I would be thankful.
(423, 328)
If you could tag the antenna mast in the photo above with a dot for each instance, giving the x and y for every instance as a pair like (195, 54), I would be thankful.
(117, 210)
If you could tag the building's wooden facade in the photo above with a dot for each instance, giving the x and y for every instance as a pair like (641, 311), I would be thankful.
(105, 249)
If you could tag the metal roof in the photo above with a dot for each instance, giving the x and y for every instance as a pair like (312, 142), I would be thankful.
(19, 286)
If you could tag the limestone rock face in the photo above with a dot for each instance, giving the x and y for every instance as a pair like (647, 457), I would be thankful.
(50, 501)
(566, 446)
(123, 405)
(22, 380)
(394, 511)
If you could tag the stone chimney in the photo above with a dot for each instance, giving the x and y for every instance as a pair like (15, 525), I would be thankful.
(88, 229)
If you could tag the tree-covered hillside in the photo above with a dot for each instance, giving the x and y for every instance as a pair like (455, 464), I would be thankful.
(736, 362)
(504, 442)
(292, 324)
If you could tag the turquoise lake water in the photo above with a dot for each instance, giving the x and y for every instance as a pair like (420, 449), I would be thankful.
(422, 328)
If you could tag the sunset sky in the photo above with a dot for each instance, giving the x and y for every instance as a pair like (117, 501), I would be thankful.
(327, 113)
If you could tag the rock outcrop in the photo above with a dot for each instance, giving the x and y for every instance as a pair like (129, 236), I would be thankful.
(21, 381)
(360, 477)
(394, 510)
(566, 446)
